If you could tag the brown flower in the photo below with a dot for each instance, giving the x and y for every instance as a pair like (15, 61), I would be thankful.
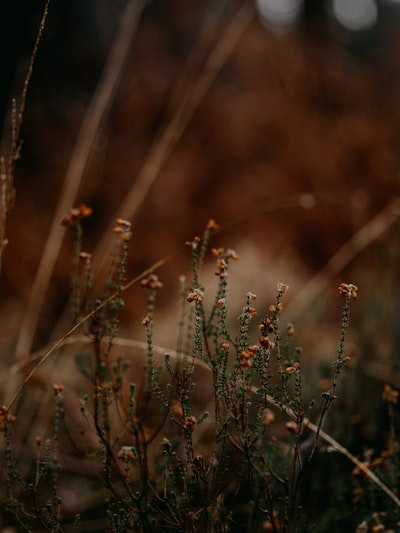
(195, 296)
(151, 282)
(190, 423)
(348, 290)
(76, 214)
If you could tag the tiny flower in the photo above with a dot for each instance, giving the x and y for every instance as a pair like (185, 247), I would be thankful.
(390, 395)
(212, 225)
(194, 244)
(57, 389)
(190, 423)
(246, 358)
(253, 349)
(220, 302)
(348, 290)
(291, 426)
(85, 256)
(126, 453)
(265, 342)
(247, 363)
(75, 214)
(151, 282)
(176, 409)
(269, 416)
(85, 211)
(5, 417)
(123, 223)
(217, 252)
(196, 295)
(146, 320)
(225, 346)
(222, 264)
(123, 228)
(329, 396)
(282, 288)
(251, 296)
(231, 254)
(290, 330)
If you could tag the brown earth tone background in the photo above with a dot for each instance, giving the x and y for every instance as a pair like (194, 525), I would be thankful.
(293, 149)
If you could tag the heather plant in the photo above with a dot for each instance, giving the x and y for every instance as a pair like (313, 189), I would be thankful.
(215, 435)
(174, 454)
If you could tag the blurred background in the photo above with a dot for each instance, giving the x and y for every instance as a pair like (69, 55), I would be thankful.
(278, 118)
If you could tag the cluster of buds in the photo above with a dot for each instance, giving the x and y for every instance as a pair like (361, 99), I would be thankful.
(151, 282)
(190, 423)
(266, 326)
(275, 309)
(359, 470)
(247, 356)
(249, 311)
(264, 339)
(390, 395)
(57, 389)
(194, 244)
(146, 321)
(223, 258)
(292, 369)
(86, 258)
(196, 295)
(290, 330)
(266, 342)
(5, 417)
(212, 225)
(348, 290)
(123, 229)
(282, 288)
(76, 214)
(103, 391)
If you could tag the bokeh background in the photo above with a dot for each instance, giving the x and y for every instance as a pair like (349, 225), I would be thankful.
(289, 140)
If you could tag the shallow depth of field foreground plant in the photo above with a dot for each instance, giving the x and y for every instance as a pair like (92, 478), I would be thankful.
(213, 436)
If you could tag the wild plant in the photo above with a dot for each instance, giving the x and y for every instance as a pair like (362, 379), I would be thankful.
(176, 453)
(214, 436)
